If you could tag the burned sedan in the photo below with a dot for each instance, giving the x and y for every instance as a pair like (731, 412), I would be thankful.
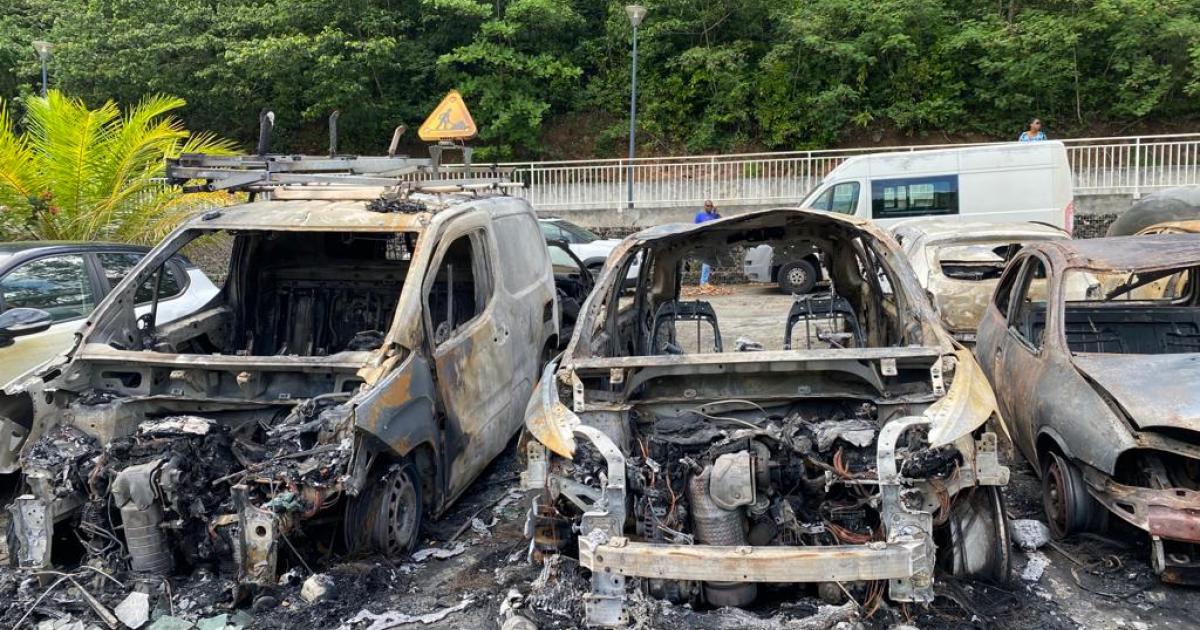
(852, 448)
(960, 263)
(366, 358)
(1093, 349)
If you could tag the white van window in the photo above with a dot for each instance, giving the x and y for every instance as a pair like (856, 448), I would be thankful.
(842, 198)
(914, 196)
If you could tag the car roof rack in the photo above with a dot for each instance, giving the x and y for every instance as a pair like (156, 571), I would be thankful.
(266, 172)
(333, 176)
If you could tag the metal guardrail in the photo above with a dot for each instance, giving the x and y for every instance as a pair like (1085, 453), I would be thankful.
(1121, 165)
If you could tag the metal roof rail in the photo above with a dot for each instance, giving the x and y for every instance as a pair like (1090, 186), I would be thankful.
(332, 174)
(263, 172)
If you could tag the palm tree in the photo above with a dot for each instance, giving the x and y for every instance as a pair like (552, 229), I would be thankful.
(75, 173)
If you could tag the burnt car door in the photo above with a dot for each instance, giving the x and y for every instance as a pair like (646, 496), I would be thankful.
(468, 333)
(1019, 357)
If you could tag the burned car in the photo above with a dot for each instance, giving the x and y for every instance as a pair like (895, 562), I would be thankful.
(371, 350)
(1092, 347)
(854, 448)
(959, 263)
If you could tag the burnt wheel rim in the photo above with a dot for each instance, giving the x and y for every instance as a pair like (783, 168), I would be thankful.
(1055, 497)
(399, 511)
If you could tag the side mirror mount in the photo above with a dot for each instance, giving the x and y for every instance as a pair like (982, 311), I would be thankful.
(18, 322)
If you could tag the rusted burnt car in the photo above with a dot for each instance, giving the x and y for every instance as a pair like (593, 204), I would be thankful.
(371, 350)
(852, 448)
(959, 263)
(1093, 349)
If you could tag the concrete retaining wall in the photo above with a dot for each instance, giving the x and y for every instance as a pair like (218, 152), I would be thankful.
(1093, 214)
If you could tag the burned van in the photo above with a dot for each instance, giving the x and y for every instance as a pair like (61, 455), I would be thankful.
(854, 447)
(370, 351)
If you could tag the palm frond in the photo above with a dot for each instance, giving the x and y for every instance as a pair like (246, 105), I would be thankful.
(94, 173)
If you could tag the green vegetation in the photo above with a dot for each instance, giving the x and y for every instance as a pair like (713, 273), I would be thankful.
(74, 173)
(548, 77)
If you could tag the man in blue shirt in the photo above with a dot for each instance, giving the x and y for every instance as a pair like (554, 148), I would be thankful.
(709, 213)
(1034, 133)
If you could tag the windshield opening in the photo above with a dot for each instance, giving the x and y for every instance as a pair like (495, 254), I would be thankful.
(1132, 312)
(282, 294)
(849, 300)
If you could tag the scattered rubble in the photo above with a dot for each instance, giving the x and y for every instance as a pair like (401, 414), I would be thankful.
(134, 610)
(316, 588)
(1029, 534)
(1034, 567)
(393, 618)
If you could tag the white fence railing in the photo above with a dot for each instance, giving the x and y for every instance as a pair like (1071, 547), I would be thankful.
(1124, 165)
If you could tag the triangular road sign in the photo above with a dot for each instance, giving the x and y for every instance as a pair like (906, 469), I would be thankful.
(450, 120)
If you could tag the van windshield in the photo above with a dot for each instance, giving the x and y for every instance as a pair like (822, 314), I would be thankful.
(841, 198)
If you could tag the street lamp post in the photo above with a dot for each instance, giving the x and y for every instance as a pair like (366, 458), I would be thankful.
(43, 51)
(636, 13)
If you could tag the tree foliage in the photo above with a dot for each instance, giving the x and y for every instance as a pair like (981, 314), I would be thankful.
(714, 74)
(69, 172)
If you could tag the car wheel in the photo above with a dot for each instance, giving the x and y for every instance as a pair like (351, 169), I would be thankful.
(797, 277)
(386, 516)
(974, 540)
(1069, 508)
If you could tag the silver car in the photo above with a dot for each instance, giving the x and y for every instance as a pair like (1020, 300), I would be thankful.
(64, 281)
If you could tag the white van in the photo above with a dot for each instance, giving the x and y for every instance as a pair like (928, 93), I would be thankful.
(996, 183)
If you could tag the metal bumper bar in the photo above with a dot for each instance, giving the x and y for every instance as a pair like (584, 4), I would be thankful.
(872, 561)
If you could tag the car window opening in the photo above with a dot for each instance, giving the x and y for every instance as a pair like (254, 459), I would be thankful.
(852, 306)
(303, 294)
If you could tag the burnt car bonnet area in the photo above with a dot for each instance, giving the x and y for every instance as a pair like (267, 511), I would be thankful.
(1093, 348)
(358, 370)
(852, 453)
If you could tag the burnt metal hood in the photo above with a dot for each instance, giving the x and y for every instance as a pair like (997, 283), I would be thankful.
(1157, 391)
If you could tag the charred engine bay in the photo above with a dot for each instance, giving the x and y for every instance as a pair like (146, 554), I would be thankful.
(734, 473)
(181, 486)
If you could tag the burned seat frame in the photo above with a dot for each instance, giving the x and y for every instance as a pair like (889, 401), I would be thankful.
(677, 311)
(823, 306)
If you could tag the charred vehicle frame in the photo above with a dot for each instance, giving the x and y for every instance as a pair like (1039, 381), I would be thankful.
(861, 461)
(1091, 347)
(370, 352)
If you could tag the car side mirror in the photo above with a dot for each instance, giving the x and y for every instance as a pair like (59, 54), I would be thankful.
(17, 322)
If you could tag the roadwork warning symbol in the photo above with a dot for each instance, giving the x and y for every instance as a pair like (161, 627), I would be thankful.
(450, 120)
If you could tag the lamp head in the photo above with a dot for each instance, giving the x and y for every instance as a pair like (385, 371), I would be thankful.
(636, 13)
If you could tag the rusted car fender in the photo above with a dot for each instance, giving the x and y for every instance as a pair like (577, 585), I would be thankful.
(399, 411)
(967, 405)
(548, 419)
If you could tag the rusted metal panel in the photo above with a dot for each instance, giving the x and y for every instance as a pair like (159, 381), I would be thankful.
(400, 410)
(1175, 524)
(1126, 252)
(765, 357)
(1157, 391)
(350, 360)
(873, 561)
(1172, 513)
(340, 216)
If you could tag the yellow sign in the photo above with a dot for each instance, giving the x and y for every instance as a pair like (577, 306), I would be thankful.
(449, 121)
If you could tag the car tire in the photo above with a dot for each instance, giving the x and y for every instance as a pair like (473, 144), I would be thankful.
(797, 277)
(386, 517)
(974, 541)
(1068, 506)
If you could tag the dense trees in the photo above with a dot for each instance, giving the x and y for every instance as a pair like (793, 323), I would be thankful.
(548, 77)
